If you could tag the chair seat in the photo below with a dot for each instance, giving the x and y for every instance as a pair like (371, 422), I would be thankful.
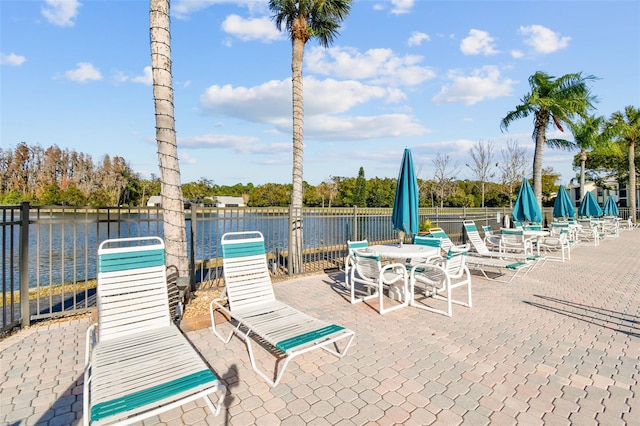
(135, 371)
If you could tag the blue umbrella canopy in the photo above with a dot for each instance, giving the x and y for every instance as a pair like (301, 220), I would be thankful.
(610, 207)
(562, 206)
(405, 204)
(589, 207)
(526, 208)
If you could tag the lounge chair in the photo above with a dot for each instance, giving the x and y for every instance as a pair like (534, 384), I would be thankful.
(495, 265)
(252, 306)
(369, 272)
(441, 277)
(137, 363)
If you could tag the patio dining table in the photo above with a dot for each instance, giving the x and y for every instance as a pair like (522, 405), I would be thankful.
(536, 235)
(404, 252)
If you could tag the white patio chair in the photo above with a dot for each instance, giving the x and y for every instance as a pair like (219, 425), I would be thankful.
(436, 279)
(556, 243)
(348, 261)
(253, 307)
(137, 363)
(514, 241)
(369, 272)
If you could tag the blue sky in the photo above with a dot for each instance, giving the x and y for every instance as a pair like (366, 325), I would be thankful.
(434, 76)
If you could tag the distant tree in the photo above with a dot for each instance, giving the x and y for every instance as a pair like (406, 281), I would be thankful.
(482, 163)
(381, 192)
(444, 177)
(587, 136)
(627, 126)
(552, 102)
(549, 185)
(72, 196)
(50, 195)
(174, 225)
(327, 191)
(360, 191)
(270, 195)
(512, 167)
(303, 20)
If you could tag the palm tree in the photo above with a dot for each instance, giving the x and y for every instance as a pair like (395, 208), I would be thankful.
(552, 101)
(627, 127)
(587, 135)
(172, 201)
(304, 19)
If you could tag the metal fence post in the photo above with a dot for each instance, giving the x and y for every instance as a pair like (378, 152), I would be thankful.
(25, 313)
(354, 231)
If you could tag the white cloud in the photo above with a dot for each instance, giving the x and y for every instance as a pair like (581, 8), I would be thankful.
(517, 54)
(478, 43)
(146, 78)
(362, 127)
(12, 59)
(325, 102)
(417, 38)
(542, 39)
(61, 12)
(241, 144)
(185, 158)
(381, 66)
(83, 73)
(262, 29)
(181, 9)
(402, 6)
(482, 84)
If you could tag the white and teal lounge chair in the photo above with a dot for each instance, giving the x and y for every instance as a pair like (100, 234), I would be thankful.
(497, 266)
(137, 363)
(248, 299)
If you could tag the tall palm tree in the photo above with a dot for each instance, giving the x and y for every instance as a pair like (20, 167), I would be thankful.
(172, 201)
(304, 19)
(552, 102)
(587, 135)
(627, 126)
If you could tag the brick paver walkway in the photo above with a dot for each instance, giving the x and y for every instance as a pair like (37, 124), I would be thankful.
(560, 346)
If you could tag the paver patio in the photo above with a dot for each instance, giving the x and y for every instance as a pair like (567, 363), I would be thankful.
(560, 346)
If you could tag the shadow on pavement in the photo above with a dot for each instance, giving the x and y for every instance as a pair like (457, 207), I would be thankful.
(606, 318)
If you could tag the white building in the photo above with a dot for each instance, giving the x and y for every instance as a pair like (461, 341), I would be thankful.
(620, 192)
(224, 201)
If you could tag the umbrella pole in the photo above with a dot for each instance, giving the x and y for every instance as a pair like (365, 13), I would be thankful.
(401, 235)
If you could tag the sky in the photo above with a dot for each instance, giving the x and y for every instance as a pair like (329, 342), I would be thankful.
(433, 76)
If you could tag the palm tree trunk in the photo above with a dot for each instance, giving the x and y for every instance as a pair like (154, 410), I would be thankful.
(583, 166)
(298, 148)
(632, 179)
(537, 163)
(172, 201)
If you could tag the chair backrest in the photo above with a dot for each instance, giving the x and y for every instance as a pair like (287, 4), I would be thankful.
(427, 240)
(367, 264)
(132, 287)
(474, 236)
(245, 270)
(455, 261)
(439, 233)
(488, 230)
(533, 227)
(352, 245)
(558, 228)
(512, 236)
(517, 224)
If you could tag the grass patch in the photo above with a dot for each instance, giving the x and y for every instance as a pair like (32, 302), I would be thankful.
(52, 290)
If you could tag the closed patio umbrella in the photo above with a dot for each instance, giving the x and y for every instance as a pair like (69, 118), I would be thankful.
(610, 207)
(526, 208)
(589, 207)
(405, 204)
(562, 206)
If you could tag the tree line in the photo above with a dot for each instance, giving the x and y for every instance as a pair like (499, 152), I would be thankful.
(55, 176)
